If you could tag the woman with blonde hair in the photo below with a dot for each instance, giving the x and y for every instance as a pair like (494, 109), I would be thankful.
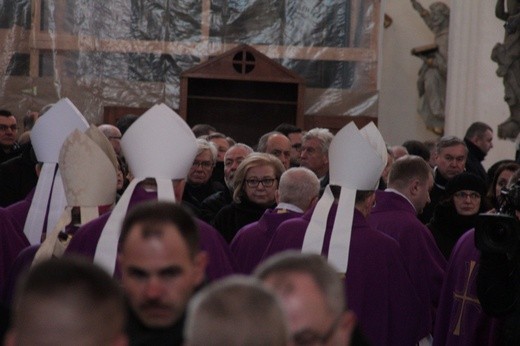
(255, 182)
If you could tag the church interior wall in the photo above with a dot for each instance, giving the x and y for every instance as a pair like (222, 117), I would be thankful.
(475, 93)
(398, 118)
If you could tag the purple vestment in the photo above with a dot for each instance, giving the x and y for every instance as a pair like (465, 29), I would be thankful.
(12, 238)
(18, 212)
(11, 244)
(22, 264)
(378, 288)
(220, 264)
(250, 242)
(395, 216)
(460, 319)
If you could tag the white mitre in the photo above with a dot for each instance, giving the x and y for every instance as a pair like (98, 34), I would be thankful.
(47, 136)
(159, 145)
(90, 181)
(356, 161)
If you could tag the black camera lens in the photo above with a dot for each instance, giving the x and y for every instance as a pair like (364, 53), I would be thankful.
(497, 233)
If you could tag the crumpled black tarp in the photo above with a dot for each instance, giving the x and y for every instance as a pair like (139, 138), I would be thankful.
(93, 79)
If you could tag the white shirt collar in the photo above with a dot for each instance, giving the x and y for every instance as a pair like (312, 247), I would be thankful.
(289, 206)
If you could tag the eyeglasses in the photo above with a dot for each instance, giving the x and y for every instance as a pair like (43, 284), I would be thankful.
(4, 128)
(203, 164)
(268, 182)
(310, 337)
(463, 195)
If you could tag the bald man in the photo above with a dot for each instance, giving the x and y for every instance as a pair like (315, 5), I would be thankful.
(114, 136)
(277, 144)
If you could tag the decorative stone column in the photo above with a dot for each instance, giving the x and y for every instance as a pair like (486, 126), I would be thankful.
(474, 91)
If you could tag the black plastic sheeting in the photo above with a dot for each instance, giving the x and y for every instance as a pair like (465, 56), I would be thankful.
(93, 79)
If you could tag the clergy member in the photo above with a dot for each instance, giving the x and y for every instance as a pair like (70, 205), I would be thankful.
(381, 295)
(26, 222)
(159, 148)
(460, 318)
(395, 214)
(297, 192)
(88, 166)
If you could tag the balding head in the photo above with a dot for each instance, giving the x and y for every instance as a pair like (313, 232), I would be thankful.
(114, 136)
(398, 151)
(312, 295)
(215, 313)
(298, 186)
(277, 144)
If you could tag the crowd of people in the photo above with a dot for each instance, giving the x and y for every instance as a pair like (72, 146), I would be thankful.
(149, 232)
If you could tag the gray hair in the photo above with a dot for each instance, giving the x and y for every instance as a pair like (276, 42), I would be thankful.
(203, 145)
(324, 136)
(314, 265)
(299, 186)
(235, 311)
(240, 145)
(449, 141)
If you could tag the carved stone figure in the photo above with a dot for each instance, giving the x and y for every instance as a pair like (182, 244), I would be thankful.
(432, 75)
(507, 55)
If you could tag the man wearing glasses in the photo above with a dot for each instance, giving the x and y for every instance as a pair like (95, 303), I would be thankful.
(8, 136)
(312, 296)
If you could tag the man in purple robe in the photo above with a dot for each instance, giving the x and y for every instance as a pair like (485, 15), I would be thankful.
(460, 319)
(39, 211)
(378, 288)
(18, 211)
(158, 131)
(297, 191)
(12, 243)
(394, 214)
(12, 238)
(220, 262)
(88, 170)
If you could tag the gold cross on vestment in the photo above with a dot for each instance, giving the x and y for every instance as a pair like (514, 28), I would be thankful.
(464, 297)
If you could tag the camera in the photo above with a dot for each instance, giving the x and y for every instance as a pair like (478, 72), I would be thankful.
(500, 233)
